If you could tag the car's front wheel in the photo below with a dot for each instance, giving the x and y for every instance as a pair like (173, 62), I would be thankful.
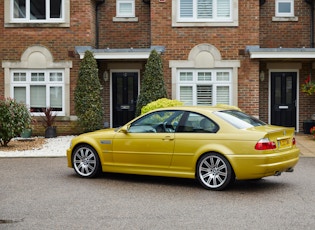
(85, 161)
(214, 171)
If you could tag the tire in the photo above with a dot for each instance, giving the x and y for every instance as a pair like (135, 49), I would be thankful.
(214, 171)
(86, 162)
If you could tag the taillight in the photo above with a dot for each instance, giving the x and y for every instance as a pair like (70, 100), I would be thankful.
(265, 144)
(293, 141)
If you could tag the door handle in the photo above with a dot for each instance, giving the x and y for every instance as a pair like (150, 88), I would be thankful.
(168, 138)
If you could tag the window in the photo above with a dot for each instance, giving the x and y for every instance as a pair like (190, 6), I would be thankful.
(284, 8)
(205, 10)
(39, 89)
(125, 8)
(196, 123)
(204, 87)
(37, 11)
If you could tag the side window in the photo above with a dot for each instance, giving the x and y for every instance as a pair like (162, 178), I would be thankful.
(196, 123)
(157, 122)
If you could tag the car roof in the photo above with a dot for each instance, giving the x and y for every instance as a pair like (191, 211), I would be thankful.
(200, 108)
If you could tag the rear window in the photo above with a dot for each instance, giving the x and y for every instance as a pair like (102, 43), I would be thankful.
(239, 119)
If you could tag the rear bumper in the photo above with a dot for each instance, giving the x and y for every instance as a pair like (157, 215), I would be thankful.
(263, 165)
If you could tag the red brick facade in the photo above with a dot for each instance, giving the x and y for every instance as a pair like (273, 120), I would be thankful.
(153, 27)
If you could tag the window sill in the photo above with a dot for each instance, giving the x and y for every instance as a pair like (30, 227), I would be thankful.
(34, 25)
(121, 19)
(285, 19)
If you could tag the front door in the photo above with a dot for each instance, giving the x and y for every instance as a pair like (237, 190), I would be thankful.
(283, 98)
(125, 93)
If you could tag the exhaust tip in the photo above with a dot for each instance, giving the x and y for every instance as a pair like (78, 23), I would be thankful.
(290, 170)
(277, 173)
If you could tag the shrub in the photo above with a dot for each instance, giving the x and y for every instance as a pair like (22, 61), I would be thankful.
(160, 103)
(14, 118)
(152, 84)
(87, 95)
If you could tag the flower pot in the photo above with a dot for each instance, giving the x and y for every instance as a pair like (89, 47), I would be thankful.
(27, 133)
(50, 132)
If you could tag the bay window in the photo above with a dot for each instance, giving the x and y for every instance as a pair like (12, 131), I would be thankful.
(39, 89)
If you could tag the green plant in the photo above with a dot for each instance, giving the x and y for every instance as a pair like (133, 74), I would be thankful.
(152, 85)
(49, 117)
(14, 118)
(87, 95)
(309, 86)
(160, 103)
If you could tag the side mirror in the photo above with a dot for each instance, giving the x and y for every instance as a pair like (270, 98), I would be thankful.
(124, 129)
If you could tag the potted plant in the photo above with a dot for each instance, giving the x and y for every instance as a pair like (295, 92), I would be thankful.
(312, 131)
(48, 121)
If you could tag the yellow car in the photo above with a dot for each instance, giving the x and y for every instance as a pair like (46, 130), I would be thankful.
(212, 144)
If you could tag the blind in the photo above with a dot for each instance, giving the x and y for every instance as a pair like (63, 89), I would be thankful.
(56, 97)
(186, 8)
(186, 94)
(20, 94)
(205, 9)
(38, 96)
(204, 95)
(223, 95)
(224, 8)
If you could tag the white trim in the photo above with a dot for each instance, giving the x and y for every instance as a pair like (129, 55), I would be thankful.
(119, 55)
(281, 55)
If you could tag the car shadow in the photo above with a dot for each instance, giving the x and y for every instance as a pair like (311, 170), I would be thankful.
(238, 186)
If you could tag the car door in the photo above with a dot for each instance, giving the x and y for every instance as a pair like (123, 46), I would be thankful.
(149, 142)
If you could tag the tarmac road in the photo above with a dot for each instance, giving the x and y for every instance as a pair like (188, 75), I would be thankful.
(42, 193)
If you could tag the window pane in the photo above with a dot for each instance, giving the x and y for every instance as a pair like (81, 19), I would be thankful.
(223, 10)
(19, 94)
(55, 76)
(37, 97)
(204, 95)
(125, 8)
(223, 76)
(55, 8)
(205, 8)
(284, 7)
(37, 76)
(19, 77)
(186, 8)
(19, 9)
(204, 76)
(56, 98)
(223, 95)
(186, 76)
(186, 95)
(38, 9)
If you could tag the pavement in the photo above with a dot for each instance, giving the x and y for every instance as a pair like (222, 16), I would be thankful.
(56, 147)
(306, 144)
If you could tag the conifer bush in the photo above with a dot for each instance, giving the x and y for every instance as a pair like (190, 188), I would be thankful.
(14, 118)
(87, 95)
(152, 84)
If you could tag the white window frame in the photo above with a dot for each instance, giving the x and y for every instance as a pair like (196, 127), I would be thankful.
(120, 14)
(231, 21)
(27, 83)
(214, 82)
(277, 8)
(10, 21)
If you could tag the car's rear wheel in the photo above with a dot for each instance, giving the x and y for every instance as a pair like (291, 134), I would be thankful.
(214, 171)
(86, 162)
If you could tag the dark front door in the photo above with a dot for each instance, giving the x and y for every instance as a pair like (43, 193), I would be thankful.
(125, 93)
(283, 98)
